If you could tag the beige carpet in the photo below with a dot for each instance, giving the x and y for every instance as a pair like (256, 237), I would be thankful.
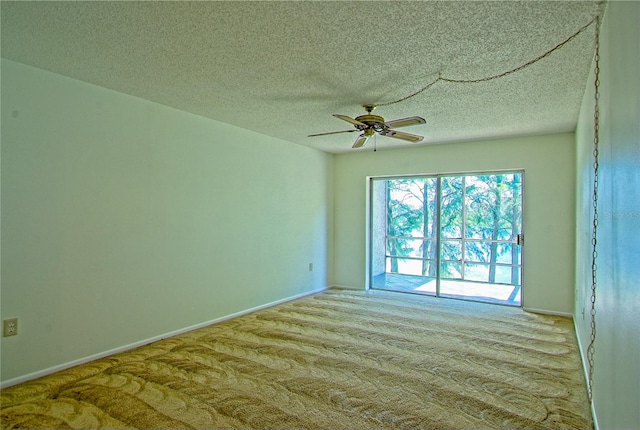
(339, 359)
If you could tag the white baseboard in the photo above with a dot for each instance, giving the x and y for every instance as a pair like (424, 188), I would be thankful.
(547, 312)
(346, 287)
(585, 370)
(58, 368)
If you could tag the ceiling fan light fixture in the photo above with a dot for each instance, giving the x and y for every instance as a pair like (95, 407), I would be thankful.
(360, 141)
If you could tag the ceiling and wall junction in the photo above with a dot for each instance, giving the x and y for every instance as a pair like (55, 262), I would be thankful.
(282, 68)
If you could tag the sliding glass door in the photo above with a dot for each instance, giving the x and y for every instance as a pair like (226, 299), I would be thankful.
(454, 236)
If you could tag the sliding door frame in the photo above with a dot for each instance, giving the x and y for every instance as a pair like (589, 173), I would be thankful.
(370, 214)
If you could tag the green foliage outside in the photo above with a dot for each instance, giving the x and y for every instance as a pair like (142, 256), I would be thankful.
(480, 217)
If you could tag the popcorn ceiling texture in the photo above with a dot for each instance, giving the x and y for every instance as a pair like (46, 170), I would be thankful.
(282, 68)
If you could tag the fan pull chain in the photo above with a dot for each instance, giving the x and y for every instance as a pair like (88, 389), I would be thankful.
(500, 75)
(594, 233)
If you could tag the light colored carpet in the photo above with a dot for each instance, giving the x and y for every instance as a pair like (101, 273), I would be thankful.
(340, 359)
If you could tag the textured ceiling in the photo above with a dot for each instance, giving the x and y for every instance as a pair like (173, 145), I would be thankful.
(282, 68)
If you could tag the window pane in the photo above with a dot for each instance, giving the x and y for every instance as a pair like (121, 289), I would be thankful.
(508, 253)
(476, 272)
(493, 206)
(404, 266)
(429, 268)
(412, 207)
(508, 275)
(451, 270)
(451, 250)
(482, 273)
(477, 251)
(451, 207)
(405, 216)
(430, 249)
(401, 247)
(480, 252)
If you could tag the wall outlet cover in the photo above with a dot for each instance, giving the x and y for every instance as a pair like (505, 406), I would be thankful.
(10, 327)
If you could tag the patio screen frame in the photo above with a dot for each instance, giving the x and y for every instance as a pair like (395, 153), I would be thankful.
(438, 261)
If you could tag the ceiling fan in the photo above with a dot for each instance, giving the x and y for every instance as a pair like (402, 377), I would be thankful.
(370, 124)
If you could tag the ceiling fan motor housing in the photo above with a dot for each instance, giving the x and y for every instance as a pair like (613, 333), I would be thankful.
(374, 122)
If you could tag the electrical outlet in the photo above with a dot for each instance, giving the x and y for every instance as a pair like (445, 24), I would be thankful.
(10, 327)
(310, 267)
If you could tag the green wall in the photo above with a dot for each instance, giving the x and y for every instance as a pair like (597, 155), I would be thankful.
(616, 385)
(123, 220)
(549, 224)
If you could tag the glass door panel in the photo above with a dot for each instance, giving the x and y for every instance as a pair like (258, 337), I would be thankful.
(448, 235)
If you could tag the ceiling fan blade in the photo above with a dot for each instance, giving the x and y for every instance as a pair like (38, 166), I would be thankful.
(403, 122)
(360, 141)
(332, 132)
(349, 119)
(400, 135)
